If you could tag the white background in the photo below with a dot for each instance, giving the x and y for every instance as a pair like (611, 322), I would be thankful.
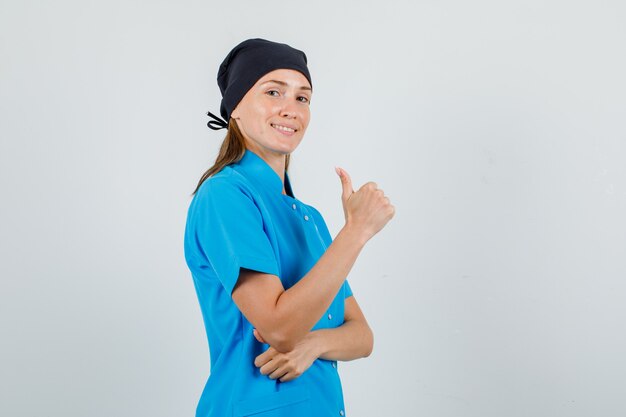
(496, 129)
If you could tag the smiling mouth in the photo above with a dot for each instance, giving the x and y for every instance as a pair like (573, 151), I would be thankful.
(283, 128)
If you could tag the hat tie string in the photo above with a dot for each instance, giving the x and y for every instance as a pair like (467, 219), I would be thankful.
(216, 124)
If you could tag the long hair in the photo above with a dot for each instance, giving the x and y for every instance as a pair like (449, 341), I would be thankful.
(232, 150)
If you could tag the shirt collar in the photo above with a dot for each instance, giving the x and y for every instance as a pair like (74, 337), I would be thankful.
(263, 174)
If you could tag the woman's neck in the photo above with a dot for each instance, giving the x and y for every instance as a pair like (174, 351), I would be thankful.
(275, 160)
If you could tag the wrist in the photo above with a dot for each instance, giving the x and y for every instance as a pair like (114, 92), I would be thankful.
(353, 234)
(316, 339)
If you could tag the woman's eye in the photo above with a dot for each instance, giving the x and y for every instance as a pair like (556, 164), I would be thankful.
(276, 93)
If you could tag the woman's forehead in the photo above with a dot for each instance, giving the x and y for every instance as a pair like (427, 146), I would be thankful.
(287, 77)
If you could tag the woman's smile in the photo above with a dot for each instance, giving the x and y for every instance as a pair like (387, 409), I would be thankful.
(285, 130)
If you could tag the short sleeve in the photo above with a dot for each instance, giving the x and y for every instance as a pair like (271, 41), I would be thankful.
(230, 232)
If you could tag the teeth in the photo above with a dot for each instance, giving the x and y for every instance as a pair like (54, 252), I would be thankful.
(286, 129)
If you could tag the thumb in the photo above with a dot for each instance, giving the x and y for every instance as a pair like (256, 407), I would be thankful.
(346, 183)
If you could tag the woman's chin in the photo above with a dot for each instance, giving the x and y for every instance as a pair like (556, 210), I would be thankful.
(285, 148)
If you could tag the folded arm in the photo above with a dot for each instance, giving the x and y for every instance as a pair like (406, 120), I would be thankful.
(352, 340)
(285, 317)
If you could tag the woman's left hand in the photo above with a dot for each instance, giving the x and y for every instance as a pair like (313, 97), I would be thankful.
(290, 365)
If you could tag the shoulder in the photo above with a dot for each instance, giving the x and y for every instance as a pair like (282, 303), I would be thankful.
(225, 180)
(226, 193)
(224, 185)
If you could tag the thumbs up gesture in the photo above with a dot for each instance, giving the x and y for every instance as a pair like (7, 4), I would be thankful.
(367, 210)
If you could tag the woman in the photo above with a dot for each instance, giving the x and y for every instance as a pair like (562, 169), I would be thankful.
(271, 282)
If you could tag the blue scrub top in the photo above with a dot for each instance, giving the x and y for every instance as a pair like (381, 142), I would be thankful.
(239, 218)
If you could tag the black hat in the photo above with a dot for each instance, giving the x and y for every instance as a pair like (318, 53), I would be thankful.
(245, 64)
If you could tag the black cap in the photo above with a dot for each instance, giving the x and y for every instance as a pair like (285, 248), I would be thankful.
(245, 64)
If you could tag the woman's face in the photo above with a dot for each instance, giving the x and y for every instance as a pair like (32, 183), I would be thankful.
(274, 113)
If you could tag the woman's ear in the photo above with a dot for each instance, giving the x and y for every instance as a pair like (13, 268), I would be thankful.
(234, 114)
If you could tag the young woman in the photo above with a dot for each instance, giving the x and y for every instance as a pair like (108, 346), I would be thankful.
(271, 282)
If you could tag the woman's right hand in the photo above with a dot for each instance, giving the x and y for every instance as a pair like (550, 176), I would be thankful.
(367, 210)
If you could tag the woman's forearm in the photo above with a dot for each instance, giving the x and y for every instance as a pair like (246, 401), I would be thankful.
(301, 306)
(352, 340)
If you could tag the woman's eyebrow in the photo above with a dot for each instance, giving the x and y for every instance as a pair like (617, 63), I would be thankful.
(285, 84)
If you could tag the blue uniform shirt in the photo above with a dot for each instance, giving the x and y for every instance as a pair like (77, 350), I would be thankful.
(239, 218)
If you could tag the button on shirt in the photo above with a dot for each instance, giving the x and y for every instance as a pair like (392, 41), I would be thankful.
(239, 218)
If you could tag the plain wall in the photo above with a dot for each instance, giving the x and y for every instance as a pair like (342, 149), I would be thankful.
(496, 129)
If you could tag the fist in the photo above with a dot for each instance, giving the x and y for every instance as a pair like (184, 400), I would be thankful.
(368, 210)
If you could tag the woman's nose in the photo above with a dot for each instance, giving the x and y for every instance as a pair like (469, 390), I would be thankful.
(289, 108)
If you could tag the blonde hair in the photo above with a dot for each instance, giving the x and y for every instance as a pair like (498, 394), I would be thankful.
(232, 150)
